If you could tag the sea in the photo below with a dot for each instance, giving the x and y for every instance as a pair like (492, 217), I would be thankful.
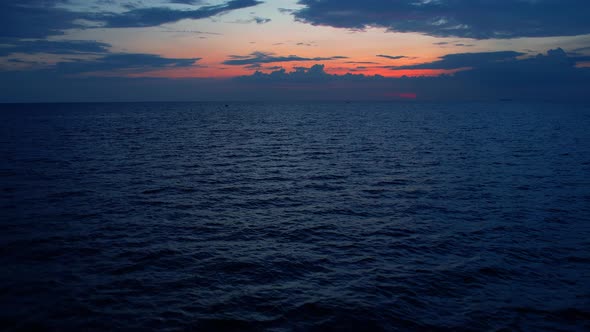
(358, 216)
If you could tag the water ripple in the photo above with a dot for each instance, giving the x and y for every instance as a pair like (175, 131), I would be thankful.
(294, 217)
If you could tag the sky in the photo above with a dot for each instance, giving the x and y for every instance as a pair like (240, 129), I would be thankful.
(229, 50)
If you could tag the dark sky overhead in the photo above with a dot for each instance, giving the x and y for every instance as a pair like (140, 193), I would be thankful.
(102, 50)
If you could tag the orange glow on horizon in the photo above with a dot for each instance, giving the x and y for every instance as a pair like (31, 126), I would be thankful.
(211, 64)
(402, 95)
(193, 72)
(395, 73)
(334, 69)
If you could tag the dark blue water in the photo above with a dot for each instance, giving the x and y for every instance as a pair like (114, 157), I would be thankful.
(295, 217)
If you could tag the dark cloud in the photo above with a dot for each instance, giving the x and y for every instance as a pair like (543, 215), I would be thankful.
(255, 19)
(43, 18)
(463, 60)
(363, 62)
(148, 17)
(480, 19)
(392, 57)
(254, 66)
(264, 57)
(261, 20)
(54, 47)
(504, 61)
(112, 63)
(258, 66)
(546, 76)
(25, 62)
(286, 10)
(313, 74)
(551, 76)
(299, 74)
(187, 2)
(34, 19)
(196, 32)
(582, 49)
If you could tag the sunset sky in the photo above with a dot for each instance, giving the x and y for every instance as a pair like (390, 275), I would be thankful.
(104, 50)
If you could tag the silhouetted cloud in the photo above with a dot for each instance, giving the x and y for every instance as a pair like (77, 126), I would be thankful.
(122, 62)
(500, 61)
(187, 2)
(391, 57)
(551, 76)
(461, 18)
(53, 47)
(582, 49)
(154, 16)
(315, 73)
(254, 66)
(34, 19)
(363, 62)
(261, 20)
(265, 57)
(196, 32)
(286, 10)
(462, 60)
(43, 18)
(255, 19)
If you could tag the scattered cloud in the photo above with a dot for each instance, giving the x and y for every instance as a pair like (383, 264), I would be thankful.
(315, 73)
(582, 49)
(463, 60)
(44, 18)
(53, 47)
(124, 63)
(196, 32)
(261, 20)
(187, 2)
(391, 57)
(255, 19)
(266, 57)
(155, 16)
(363, 62)
(286, 10)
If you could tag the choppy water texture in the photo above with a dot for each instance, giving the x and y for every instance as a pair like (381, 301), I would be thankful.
(295, 217)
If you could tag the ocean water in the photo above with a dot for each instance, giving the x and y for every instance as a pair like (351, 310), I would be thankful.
(295, 217)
